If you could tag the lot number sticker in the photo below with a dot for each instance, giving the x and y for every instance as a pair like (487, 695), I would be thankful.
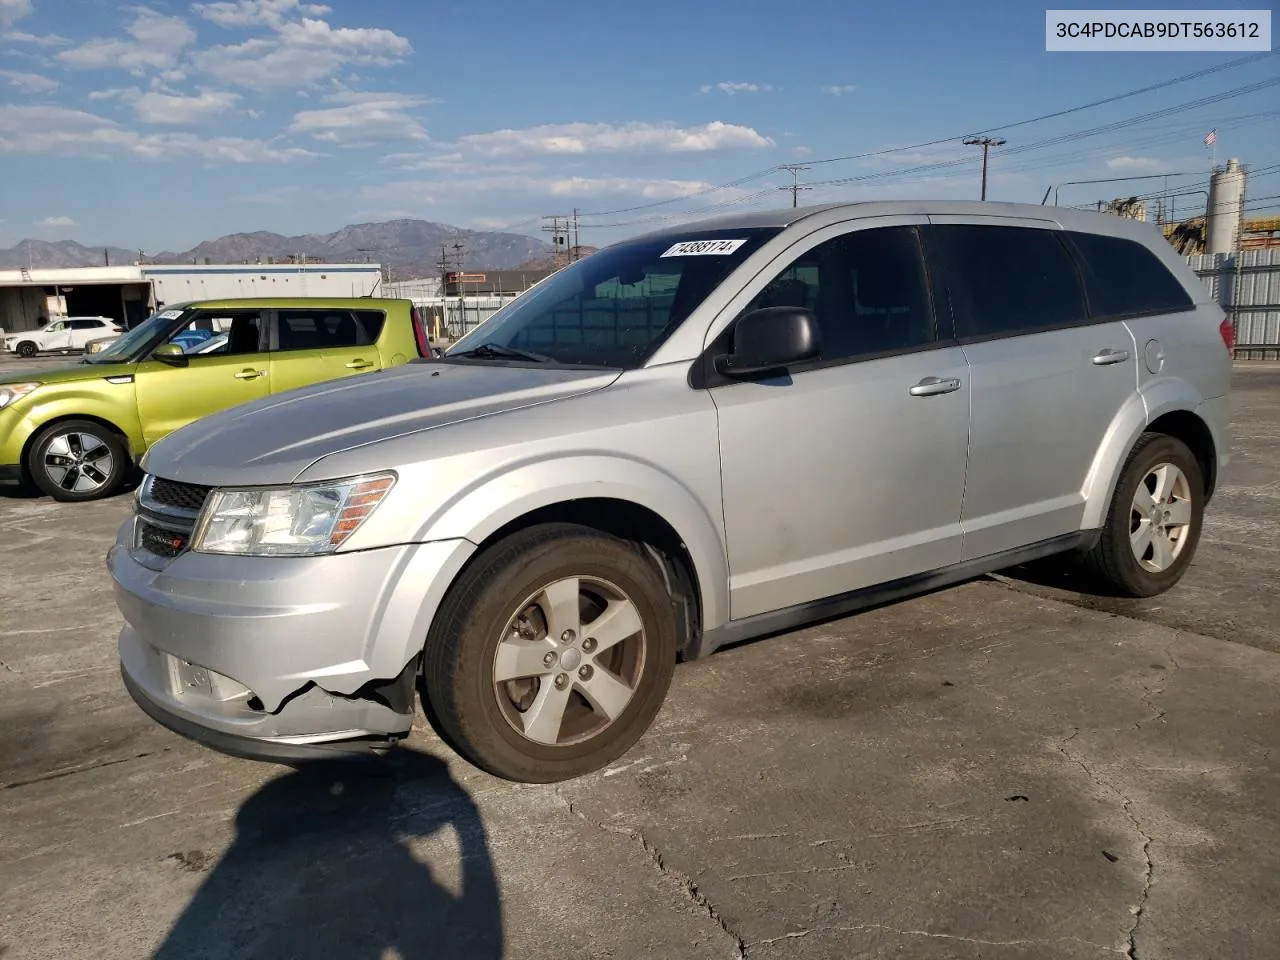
(702, 248)
(171, 315)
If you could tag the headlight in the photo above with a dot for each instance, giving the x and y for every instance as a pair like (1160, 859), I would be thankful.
(10, 392)
(297, 521)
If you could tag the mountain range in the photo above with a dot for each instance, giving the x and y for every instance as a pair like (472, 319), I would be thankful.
(408, 248)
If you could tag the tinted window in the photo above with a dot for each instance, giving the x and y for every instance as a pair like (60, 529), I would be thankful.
(319, 329)
(613, 308)
(244, 333)
(372, 321)
(1123, 278)
(1009, 280)
(87, 324)
(867, 290)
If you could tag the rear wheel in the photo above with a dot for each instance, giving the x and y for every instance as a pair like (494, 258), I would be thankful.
(552, 655)
(1153, 526)
(26, 349)
(78, 460)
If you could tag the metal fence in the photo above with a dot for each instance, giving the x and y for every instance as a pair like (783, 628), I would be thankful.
(456, 316)
(1247, 285)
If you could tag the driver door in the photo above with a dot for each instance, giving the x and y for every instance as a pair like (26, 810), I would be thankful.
(848, 471)
(173, 393)
(56, 336)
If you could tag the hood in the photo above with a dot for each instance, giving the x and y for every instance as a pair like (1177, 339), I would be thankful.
(50, 376)
(271, 441)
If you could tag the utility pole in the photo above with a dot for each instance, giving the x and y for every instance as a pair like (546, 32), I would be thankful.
(577, 246)
(795, 170)
(986, 143)
(560, 230)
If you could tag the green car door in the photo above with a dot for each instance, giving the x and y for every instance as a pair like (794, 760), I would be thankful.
(176, 390)
(322, 343)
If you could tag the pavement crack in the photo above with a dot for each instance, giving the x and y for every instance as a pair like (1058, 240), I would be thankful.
(927, 934)
(1155, 690)
(7, 668)
(1148, 869)
(685, 883)
(71, 772)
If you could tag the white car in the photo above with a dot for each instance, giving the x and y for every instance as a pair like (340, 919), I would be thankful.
(61, 336)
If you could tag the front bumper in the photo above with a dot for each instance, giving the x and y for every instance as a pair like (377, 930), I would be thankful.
(279, 658)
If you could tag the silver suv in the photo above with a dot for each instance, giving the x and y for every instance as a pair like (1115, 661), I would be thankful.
(702, 435)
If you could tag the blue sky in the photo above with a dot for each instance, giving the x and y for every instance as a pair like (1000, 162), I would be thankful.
(156, 126)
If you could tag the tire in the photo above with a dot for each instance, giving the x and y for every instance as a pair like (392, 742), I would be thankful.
(509, 727)
(26, 350)
(1156, 460)
(78, 460)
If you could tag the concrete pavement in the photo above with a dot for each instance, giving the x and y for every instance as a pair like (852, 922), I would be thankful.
(1002, 770)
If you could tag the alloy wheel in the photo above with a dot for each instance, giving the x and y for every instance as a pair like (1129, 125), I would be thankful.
(569, 661)
(79, 462)
(1160, 517)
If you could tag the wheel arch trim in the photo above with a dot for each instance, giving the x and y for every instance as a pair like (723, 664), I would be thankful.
(493, 502)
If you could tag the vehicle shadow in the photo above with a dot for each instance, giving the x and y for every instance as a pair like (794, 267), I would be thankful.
(321, 866)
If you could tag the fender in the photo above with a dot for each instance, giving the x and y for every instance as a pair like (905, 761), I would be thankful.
(1156, 398)
(491, 502)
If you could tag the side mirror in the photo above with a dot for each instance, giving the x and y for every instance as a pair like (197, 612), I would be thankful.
(170, 353)
(771, 339)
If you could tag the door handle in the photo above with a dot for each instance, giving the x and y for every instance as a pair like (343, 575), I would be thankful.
(933, 386)
(1108, 356)
(250, 374)
(359, 365)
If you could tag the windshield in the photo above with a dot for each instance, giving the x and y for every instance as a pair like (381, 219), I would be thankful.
(615, 307)
(125, 347)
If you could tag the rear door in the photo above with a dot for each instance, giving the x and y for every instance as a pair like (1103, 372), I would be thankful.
(1047, 380)
(171, 395)
(315, 344)
(86, 329)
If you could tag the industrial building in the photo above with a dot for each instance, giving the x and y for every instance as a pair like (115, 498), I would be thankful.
(29, 298)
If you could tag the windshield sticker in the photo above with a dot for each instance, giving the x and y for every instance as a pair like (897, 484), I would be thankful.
(171, 315)
(702, 248)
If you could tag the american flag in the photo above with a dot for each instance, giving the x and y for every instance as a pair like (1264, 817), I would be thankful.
(1211, 137)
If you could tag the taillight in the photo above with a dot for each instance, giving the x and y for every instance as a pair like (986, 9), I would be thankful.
(1228, 332)
(420, 333)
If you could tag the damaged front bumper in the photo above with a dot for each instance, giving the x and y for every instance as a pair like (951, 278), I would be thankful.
(279, 658)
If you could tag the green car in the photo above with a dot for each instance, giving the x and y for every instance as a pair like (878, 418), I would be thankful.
(75, 432)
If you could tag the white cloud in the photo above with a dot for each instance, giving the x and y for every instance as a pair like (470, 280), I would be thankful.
(364, 119)
(250, 13)
(172, 110)
(43, 40)
(11, 11)
(155, 41)
(431, 191)
(802, 151)
(578, 138)
(732, 88)
(62, 131)
(28, 82)
(115, 93)
(56, 223)
(838, 90)
(1139, 165)
(300, 50)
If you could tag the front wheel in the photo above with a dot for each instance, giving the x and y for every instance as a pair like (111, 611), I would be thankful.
(78, 460)
(1153, 526)
(26, 350)
(551, 655)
